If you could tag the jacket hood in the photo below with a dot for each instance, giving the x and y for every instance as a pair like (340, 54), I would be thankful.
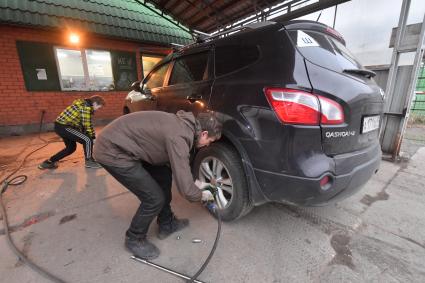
(82, 102)
(189, 119)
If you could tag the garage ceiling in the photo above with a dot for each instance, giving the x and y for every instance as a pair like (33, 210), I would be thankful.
(211, 15)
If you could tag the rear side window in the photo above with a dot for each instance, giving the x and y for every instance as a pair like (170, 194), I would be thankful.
(324, 50)
(231, 58)
(190, 68)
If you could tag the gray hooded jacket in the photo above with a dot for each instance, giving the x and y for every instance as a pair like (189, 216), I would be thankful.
(154, 137)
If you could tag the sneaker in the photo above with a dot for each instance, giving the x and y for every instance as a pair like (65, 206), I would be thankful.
(175, 225)
(141, 248)
(91, 163)
(47, 164)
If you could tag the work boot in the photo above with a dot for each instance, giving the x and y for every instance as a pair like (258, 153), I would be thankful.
(47, 164)
(91, 163)
(141, 248)
(166, 229)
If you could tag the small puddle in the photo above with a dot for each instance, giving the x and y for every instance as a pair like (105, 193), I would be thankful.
(369, 200)
(67, 218)
(339, 243)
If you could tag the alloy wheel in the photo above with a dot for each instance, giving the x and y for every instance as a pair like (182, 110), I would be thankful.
(214, 172)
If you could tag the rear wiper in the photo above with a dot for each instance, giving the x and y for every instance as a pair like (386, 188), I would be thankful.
(363, 72)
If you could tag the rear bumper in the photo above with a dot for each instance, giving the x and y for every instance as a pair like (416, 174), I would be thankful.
(308, 191)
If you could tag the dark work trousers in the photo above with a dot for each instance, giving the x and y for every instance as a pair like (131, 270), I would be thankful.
(152, 185)
(70, 137)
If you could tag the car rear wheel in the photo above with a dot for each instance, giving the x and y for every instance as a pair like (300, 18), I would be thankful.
(221, 166)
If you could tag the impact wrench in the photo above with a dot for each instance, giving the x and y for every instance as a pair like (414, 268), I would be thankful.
(212, 207)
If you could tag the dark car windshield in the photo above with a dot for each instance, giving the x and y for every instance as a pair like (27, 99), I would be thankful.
(324, 50)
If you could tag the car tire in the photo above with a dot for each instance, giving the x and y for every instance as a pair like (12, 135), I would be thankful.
(232, 173)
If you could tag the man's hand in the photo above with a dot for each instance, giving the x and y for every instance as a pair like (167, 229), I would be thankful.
(207, 196)
(202, 185)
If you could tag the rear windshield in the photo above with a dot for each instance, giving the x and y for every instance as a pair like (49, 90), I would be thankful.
(324, 50)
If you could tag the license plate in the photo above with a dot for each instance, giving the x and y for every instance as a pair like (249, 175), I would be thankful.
(370, 123)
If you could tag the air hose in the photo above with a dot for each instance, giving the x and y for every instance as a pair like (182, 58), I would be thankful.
(15, 181)
(212, 207)
(20, 179)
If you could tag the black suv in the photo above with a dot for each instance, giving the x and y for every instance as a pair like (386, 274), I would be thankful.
(301, 115)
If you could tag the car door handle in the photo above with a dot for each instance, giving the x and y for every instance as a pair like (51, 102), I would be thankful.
(192, 99)
(151, 97)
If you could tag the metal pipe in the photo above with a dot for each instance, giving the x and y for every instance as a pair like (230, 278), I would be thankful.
(41, 120)
(389, 89)
(164, 269)
(201, 33)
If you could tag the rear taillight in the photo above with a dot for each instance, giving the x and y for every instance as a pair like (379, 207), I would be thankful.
(332, 113)
(293, 106)
(303, 108)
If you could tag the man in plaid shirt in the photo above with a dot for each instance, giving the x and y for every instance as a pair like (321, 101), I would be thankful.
(74, 125)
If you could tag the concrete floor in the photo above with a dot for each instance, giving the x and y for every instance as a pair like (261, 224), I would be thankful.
(72, 221)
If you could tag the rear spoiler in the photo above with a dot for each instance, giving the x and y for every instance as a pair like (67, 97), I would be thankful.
(314, 26)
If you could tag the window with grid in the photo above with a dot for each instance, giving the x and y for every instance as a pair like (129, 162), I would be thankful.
(84, 69)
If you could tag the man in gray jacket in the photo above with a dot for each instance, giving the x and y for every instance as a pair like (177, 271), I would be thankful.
(143, 150)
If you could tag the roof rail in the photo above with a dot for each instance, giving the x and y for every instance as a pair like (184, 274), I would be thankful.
(203, 37)
(236, 29)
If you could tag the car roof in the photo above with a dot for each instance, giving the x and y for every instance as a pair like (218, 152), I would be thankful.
(247, 30)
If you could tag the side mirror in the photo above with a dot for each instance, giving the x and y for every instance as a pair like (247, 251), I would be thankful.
(145, 94)
(135, 96)
(136, 86)
(148, 94)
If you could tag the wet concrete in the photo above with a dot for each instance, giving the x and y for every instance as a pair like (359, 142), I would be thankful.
(369, 200)
(340, 243)
(27, 240)
(72, 221)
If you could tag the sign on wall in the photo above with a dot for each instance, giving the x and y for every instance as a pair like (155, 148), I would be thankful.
(124, 68)
(38, 66)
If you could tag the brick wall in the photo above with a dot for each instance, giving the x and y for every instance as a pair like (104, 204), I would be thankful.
(19, 107)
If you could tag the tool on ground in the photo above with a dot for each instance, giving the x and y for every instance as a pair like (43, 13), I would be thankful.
(212, 207)
(157, 266)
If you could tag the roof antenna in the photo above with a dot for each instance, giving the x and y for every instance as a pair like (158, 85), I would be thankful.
(336, 9)
(176, 47)
(319, 16)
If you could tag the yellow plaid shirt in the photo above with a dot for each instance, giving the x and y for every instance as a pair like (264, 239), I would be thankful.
(79, 116)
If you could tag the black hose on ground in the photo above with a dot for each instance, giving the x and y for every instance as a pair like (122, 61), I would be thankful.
(15, 181)
(213, 209)
(20, 179)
